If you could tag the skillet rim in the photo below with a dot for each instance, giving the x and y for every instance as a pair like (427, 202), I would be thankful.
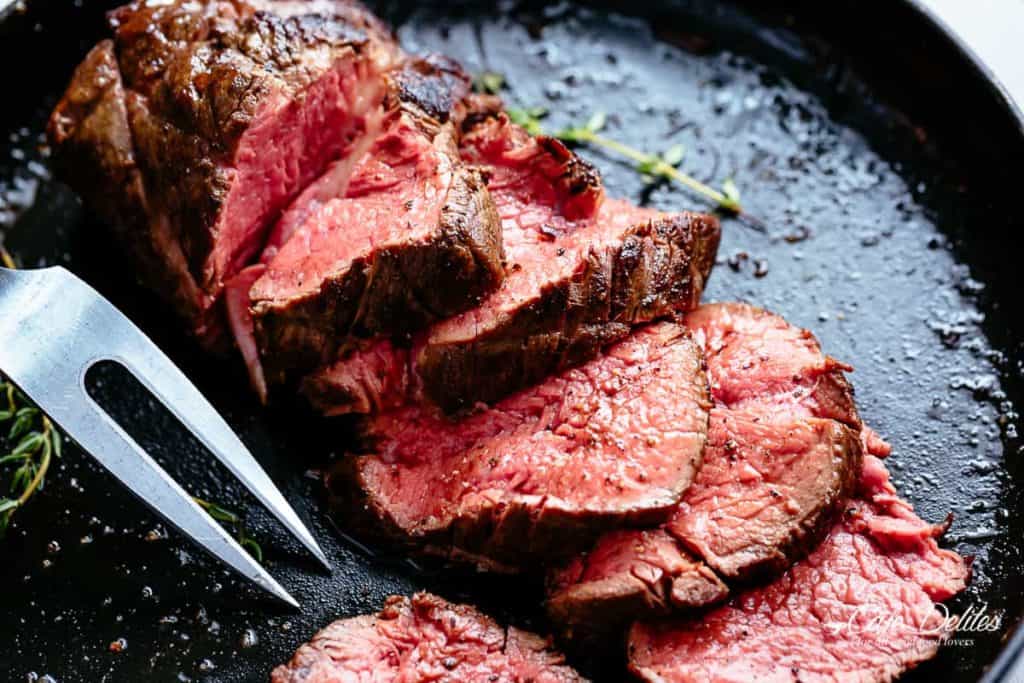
(1008, 665)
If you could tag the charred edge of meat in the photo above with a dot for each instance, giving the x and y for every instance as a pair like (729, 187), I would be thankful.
(435, 84)
(659, 267)
(835, 394)
(579, 175)
(593, 613)
(192, 81)
(386, 293)
(89, 129)
(575, 175)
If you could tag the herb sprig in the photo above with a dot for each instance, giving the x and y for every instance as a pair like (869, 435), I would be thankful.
(652, 167)
(35, 443)
(225, 516)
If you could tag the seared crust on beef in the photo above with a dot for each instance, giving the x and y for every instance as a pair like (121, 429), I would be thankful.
(435, 84)
(446, 259)
(611, 444)
(89, 129)
(659, 266)
(627, 573)
(581, 271)
(413, 639)
(199, 79)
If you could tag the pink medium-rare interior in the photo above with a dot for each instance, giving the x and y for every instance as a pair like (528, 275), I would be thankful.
(759, 362)
(620, 430)
(395, 193)
(236, 306)
(421, 639)
(761, 484)
(861, 606)
(289, 144)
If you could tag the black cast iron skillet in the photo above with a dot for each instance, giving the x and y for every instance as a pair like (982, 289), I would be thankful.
(883, 162)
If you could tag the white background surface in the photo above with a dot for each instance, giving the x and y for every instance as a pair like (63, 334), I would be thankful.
(994, 30)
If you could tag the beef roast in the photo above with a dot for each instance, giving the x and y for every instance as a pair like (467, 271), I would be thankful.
(411, 238)
(612, 443)
(775, 473)
(580, 272)
(425, 638)
(859, 608)
(198, 123)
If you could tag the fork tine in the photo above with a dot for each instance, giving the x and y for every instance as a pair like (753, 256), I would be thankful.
(63, 326)
(180, 396)
(131, 347)
(57, 327)
(98, 434)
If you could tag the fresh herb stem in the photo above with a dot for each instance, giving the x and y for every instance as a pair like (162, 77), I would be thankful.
(44, 463)
(657, 167)
(650, 166)
(225, 516)
(489, 82)
(35, 443)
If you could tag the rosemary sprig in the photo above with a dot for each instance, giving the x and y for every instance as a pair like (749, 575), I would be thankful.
(35, 443)
(652, 167)
(225, 516)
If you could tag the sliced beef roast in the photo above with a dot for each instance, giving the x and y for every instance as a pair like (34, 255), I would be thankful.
(775, 474)
(197, 124)
(628, 572)
(411, 238)
(425, 638)
(580, 272)
(609, 444)
(762, 363)
(861, 607)
(768, 491)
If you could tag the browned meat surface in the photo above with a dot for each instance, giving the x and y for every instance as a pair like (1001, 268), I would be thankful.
(409, 237)
(626, 573)
(580, 272)
(612, 443)
(860, 607)
(424, 638)
(208, 118)
(775, 473)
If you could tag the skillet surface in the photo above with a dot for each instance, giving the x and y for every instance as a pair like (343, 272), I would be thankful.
(879, 161)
